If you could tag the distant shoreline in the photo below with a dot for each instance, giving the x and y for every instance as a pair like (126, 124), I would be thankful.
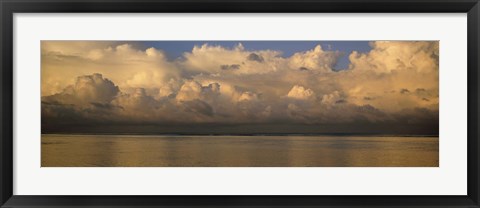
(257, 134)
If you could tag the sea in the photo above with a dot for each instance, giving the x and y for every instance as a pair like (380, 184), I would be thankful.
(67, 150)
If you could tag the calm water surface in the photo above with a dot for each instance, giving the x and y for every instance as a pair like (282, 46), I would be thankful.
(237, 151)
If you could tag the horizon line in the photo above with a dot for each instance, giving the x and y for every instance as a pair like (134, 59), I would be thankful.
(256, 134)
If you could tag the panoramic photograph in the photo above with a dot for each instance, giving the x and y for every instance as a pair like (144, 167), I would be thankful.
(239, 103)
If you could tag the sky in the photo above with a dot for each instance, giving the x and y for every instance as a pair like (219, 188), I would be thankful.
(177, 48)
(240, 87)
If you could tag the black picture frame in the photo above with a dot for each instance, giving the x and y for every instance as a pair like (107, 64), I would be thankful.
(9, 7)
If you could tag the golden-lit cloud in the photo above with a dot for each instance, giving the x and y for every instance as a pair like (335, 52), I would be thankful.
(90, 81)
(299, 92)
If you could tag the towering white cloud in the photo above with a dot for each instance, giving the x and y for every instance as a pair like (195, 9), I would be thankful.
(315, 59)
(124, 64)
(389, 56)
(87, 89)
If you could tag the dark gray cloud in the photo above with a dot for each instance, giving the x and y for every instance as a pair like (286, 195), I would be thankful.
(404, 91)
(255, 57)
(230, 67)
(198, 107)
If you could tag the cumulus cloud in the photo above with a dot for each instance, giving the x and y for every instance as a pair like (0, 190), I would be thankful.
(315, 59)
(332, 98)
(388, 56)
(299, 92)
(192, 90)
(395, 83)
(123, 63)
(87, 89)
